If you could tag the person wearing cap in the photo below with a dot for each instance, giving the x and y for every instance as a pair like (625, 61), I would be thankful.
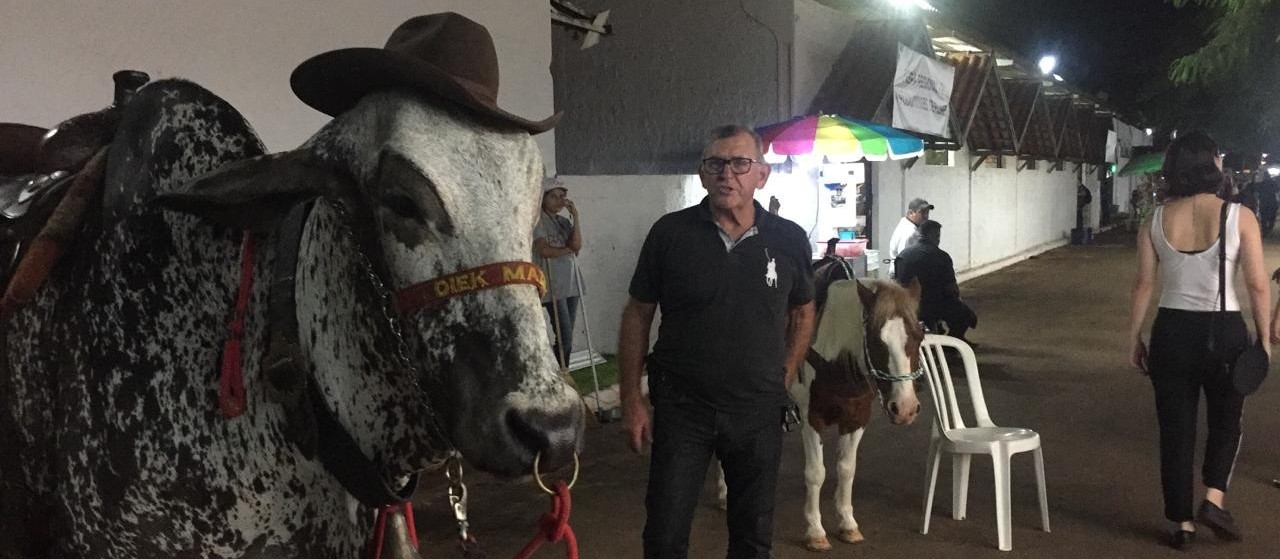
(736, 290)
(556, 242)
(906, 234)
(939, 293)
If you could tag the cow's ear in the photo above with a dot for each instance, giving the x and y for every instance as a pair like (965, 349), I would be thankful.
(256, 193)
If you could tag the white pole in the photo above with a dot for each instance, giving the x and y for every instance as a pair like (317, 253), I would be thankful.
(586, 329)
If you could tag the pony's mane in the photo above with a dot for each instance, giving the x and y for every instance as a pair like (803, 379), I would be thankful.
(892, 301)
(840, 323)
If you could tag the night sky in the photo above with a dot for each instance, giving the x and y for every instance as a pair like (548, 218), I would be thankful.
(1112, 46)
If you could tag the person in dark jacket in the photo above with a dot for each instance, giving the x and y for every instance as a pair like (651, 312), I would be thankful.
(940, 301)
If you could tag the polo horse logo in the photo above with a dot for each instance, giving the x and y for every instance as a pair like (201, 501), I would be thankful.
(770, 271)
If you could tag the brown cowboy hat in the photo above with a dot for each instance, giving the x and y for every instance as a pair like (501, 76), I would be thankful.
(444, 54)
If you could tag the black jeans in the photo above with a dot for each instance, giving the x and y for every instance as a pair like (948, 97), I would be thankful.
(1181, 367)
(749, 446)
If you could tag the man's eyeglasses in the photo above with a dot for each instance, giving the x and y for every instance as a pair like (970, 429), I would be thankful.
(739, 165)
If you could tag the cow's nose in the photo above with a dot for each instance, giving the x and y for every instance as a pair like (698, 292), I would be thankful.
(553, 435)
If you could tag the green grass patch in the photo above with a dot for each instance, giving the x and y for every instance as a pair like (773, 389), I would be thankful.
(607, 373)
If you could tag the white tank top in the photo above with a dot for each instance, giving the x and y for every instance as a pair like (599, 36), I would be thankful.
(1189, 282)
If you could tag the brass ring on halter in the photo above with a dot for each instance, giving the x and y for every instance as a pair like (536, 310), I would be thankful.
(537, 476)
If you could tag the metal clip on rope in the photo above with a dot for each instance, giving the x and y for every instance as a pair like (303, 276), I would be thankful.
(458, 496)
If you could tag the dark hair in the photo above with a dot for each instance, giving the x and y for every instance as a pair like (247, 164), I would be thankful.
(930, 228)
(1190, 166)
(731, 130)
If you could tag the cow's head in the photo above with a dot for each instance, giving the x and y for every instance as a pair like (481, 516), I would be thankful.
(430, 192)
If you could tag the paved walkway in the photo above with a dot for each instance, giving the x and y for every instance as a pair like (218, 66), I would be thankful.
(1052, 359)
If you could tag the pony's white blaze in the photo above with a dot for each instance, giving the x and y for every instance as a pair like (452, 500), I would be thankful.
(903, 404)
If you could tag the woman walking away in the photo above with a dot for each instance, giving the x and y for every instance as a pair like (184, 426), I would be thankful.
(1180, 245)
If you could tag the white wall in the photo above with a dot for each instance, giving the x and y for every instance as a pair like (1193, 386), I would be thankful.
(58, 55)
(822, 33)
(617, 212)
(1127, 137)
(987, 216)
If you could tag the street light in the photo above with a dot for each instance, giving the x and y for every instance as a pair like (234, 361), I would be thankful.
(1148, 131)
(908, 4)
(1048, 63)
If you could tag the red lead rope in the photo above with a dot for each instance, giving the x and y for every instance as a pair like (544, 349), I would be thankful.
(231, 398)
(554, 526)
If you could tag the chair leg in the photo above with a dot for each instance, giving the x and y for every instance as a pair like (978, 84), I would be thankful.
(1000, 467)
(931, 482)
(1044, 496)
(959, 485)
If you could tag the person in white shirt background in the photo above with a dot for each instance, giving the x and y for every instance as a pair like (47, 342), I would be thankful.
(906, 234)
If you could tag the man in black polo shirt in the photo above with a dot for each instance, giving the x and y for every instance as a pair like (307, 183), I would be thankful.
(736, 292)
(939, 292)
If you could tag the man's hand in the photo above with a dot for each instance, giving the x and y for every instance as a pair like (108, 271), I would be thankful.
(573, 210)
(636, 424)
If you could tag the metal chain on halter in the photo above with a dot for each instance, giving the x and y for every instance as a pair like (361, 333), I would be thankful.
(450, 458)
(386, 307)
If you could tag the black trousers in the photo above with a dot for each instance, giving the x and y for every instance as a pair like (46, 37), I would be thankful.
(749, 446)
(1181, 368)
(958, 316)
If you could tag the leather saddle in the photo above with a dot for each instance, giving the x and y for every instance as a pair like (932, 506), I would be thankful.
(47, 179)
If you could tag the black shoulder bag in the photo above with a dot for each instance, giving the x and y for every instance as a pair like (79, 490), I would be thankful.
(1247, 368)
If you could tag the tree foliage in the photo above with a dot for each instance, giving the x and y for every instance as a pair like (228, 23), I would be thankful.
(1243, 32)
(1228, 84)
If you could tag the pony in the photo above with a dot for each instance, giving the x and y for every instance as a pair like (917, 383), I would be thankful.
(867, 343)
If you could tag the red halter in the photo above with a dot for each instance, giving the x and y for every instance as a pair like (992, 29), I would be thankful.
(434, 292)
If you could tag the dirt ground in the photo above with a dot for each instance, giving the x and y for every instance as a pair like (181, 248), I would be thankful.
(1052, 358)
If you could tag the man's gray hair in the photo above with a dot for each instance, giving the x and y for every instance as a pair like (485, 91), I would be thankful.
(731, 130)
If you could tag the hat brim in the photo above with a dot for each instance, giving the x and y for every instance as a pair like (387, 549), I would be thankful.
(335, 81)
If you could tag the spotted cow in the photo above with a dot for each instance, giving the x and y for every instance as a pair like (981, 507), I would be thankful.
(112, 440)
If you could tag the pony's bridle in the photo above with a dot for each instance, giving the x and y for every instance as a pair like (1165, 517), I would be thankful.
(876, 372)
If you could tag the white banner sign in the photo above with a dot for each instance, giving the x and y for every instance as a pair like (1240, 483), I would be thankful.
(922, 93)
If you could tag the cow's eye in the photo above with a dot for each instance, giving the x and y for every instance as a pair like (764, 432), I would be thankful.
(402, 206)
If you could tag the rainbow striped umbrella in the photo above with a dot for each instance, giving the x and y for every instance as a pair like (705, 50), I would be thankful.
(839, 138)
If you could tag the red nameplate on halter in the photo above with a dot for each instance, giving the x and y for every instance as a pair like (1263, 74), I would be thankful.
(432, 293)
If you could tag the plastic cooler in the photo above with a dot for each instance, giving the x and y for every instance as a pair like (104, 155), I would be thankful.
(846, 248)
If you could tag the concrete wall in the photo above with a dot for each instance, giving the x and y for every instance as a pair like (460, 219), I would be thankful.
(988, 216)
(617, 212)
(58, 55)
(642, 101)
(821, 35)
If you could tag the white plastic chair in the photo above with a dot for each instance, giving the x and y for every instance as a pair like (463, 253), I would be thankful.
(950, 435)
